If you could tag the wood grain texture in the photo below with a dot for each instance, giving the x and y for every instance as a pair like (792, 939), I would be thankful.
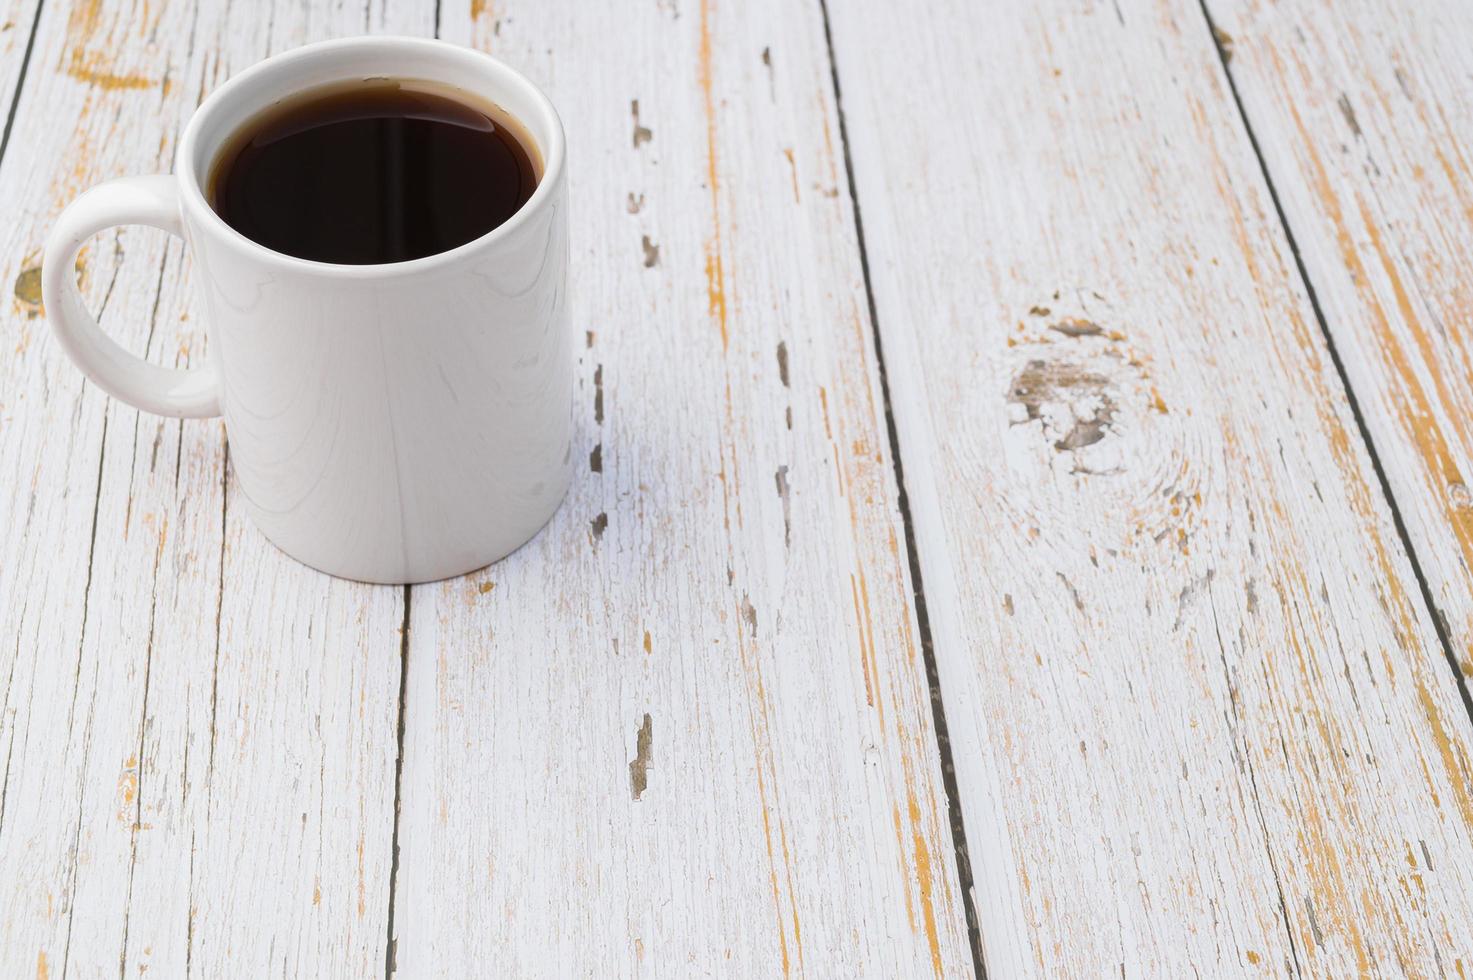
(199, 734)
(17, 18)
(1365, 122)
(687, 729)
(1200, 716)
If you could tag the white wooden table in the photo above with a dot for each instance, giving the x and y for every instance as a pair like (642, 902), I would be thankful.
(1024, 528)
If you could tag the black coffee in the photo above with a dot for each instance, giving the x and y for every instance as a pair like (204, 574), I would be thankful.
(371, 172)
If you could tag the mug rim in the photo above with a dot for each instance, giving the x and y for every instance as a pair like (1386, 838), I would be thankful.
(193, 195)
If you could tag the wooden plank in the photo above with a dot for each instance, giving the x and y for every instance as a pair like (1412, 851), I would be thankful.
(1200, 716)
(199, 734)
(17, 18)
(687, 729)
(1366, 128)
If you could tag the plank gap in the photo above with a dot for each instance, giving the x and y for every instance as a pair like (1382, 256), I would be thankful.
(389, 965)
(390, 943)
(1221, 43)
(20, 81)
(71, 891)
(219, 599)
(923, 621)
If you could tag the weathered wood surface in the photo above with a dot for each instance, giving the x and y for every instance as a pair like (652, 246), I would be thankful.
(17, 17)
(1200, 716)
(1363, 115)
(687, 729)
(201, 734)
(195, 776)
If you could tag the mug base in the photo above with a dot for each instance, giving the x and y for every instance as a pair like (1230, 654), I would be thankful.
(453, 568)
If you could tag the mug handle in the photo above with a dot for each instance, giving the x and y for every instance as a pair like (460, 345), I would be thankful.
(153, 201)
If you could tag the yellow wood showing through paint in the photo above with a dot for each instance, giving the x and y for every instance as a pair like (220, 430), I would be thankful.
(1365, 133)
(1368, 137)
(1200, 715)
(199, 733)
(1199, 712)
(16, 18)
(726, 750)
(94, 45)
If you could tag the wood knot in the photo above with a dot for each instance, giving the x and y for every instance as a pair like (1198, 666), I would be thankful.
(28, 290)
(1078, 381)
(1069, 399)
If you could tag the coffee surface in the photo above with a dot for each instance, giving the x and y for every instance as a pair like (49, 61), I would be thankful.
(373, 172)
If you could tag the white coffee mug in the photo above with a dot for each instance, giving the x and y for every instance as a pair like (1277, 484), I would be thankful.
(389, 423)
